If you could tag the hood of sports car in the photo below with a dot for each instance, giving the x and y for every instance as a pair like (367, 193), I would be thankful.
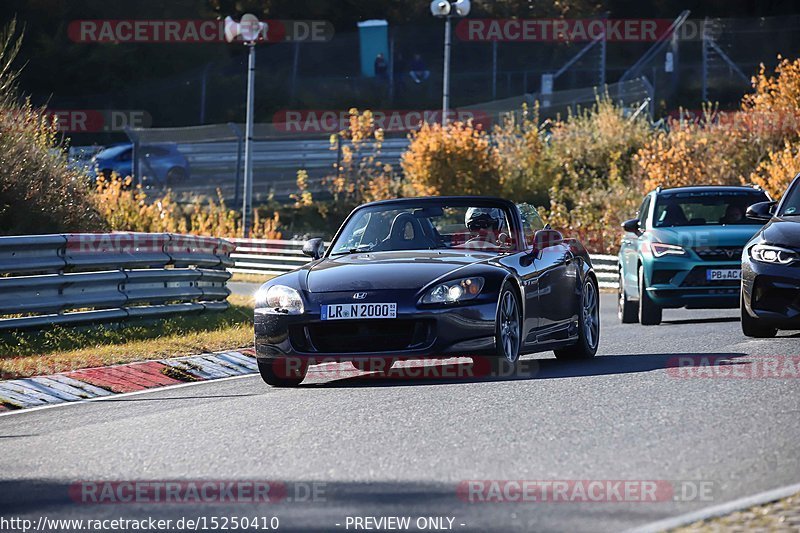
(387, 270)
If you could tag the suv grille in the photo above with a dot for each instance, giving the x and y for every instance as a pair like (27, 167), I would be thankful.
(719, 253)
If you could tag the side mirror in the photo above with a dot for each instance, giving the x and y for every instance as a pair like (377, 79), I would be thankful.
(761, 211)
(632, 226)
(314, 248)
(546, 237)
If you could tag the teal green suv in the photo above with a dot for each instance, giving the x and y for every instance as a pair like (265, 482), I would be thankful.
(685, 250)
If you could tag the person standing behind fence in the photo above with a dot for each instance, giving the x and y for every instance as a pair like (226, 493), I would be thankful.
(419, 71)
(381, 68)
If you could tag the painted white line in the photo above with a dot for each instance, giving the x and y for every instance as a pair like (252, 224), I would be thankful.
(719, 510)
(123, 395)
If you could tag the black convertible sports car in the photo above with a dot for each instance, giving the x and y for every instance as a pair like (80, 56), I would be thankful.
(430, 277)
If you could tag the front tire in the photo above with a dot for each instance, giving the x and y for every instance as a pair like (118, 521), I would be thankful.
(507, 331)
(650, 313)
(284, 372)
(627, 311)
(752, 327)
(588, 325)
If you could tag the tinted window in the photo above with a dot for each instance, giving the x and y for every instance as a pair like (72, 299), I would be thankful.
(643, 212)
(791, 205)
(711, 208)
(155, 151)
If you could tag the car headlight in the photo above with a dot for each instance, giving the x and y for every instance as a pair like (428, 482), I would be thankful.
(458, 290)
(767, 253)
(280, 299)
(660, 249)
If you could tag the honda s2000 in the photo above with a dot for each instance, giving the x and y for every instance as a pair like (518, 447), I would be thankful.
(430, 277)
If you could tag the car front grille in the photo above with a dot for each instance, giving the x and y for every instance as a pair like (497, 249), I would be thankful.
(719, 253)
(357, 336)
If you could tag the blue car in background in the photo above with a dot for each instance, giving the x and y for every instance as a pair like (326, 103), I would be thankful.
(684, 250)
(159, 164)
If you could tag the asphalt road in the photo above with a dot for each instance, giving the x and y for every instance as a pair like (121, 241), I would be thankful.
(386, 447)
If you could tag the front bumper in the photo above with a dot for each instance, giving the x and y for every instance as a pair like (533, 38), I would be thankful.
(772, 293)
(418, 331)
(674, 282)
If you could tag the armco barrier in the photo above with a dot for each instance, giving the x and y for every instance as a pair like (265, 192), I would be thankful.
(99, 277)
(275, 257)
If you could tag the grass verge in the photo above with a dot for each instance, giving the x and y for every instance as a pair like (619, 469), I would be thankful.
(32, 353)
(780, 515)
(251, 278)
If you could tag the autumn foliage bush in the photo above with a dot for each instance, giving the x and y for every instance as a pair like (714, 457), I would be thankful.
(691, 152)
(590, 156)
(521, 145)
(450, 160)
(128, 208)
(39, 192)
(777, 170)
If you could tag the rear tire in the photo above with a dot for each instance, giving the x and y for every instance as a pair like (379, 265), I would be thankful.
(175, 176)
(627, 311)
(649, 312)
(284, 372)
(588, 325)
(752, 327)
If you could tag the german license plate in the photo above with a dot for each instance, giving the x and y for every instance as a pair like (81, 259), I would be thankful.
(358, 311)
(723, 274)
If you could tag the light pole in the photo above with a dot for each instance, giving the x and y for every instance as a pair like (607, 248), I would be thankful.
(250, 30)
(447, 9)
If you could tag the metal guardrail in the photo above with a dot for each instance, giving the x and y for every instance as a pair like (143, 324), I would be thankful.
(267, 256)
(606, 267)
(82, 278)
(275, 257)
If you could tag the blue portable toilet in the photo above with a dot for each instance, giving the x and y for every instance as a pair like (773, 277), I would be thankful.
(374, 39)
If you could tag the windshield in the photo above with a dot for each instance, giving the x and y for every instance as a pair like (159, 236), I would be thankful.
(425, 227)
(705, 208)
(791, 205)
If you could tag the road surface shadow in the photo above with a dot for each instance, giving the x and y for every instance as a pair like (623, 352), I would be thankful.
(62, 500)
(527, 369)
(713, 320)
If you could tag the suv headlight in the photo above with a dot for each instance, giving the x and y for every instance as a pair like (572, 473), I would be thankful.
(660, 249)
(767, 253)
(458, 290)
(279, 299)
